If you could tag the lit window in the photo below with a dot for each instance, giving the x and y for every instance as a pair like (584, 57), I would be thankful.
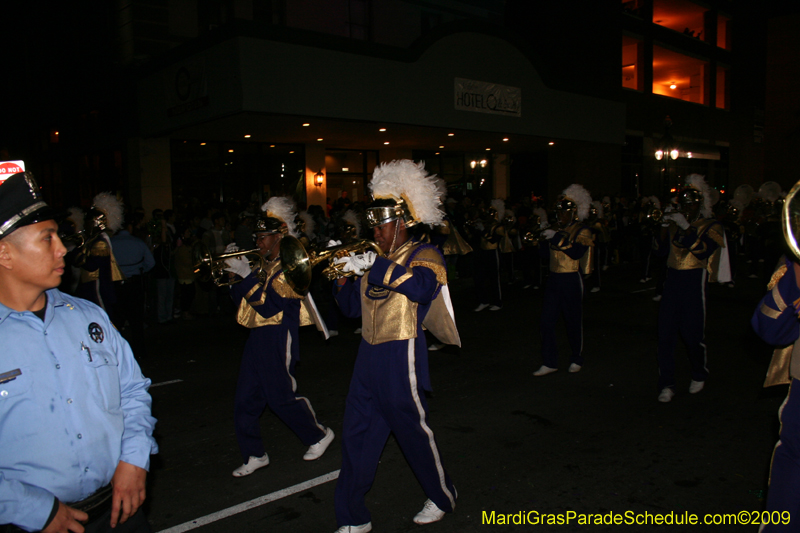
(632, 53)
(679, 76)
(682, 16)
(723, 35)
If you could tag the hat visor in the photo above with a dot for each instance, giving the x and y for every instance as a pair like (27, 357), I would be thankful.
(40, 215)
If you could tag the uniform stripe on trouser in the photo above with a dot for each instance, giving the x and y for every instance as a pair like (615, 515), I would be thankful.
(288, 362)
(412, 378)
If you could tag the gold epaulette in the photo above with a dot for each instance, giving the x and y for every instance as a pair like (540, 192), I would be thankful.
(776, 276)
(430, 258)
(100, 248)
(283, 289)
(584, 237)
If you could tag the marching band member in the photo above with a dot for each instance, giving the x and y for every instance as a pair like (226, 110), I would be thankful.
(775, 320)
(273, 312)
(98, 265)
(691, 239)
(570, 258)
(395, 295)
(487, 259)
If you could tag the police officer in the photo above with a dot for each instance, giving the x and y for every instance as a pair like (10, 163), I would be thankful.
(77, 432)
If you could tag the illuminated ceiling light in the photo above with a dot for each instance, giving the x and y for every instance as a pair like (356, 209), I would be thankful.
(291, 151)
(673, 86)
(272, 146)
(202, 144)
(345, 169)
(689, 155)
(387, 142)
(247, 136)
(441, 146)
(488, 149)
(231, 150)
(674, 153)
(382, 129)
(354, 182)
(319, 139)
(450, 134)
(505, 139)
(473, 164)
(484, 163)
(437, 153)
(306, 124)
(551, 143)
(659, 155)
(56, 133)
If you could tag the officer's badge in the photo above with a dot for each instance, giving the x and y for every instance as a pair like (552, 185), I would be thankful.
(96, 332)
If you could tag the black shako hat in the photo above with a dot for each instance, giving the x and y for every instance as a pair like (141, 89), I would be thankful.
(21, 203)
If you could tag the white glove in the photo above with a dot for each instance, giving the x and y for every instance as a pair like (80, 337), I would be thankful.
(238, 265)
(678, 219)
(549, 234)
(231, 248)
(544, 225)
(331, 244)
(358, 264)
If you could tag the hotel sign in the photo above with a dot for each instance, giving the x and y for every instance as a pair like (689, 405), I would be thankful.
(484, 97)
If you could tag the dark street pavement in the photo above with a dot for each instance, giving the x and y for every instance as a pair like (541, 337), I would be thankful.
(593, 442)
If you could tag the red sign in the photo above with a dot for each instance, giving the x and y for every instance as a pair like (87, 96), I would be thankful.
(9, 168)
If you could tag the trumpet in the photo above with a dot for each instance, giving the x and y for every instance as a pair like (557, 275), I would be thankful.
(212, 268)
(82, 244)
(654, 214)
(297, 263)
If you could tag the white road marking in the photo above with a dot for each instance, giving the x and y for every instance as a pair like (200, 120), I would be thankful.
(165, 383)
(252, 504)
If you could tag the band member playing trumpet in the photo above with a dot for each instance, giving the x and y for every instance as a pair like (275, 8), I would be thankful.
(272, 311)
(395, 295)
(691, 238)
(563, 295)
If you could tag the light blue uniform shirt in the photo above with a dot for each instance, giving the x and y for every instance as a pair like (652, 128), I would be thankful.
(132, 254)
(77, 406)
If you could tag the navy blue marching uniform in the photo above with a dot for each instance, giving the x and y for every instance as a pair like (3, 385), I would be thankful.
(273, 312)
(683, 306)
(775, 321)
(563, 293)
(390, 376)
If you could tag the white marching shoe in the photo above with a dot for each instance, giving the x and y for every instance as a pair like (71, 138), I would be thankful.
(252, 464)
(544, 370)
(429, 514)
(574, 367)
(315, 451)
(696, 386)
(363, 528)
(666, 395)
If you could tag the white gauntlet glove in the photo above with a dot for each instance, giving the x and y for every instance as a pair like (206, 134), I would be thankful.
(678, 219)
(549, 234)
(238, 265)
(231, 248)
(331, 244)
(358, 264)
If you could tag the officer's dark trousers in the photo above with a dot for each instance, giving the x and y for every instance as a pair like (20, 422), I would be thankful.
(682, 311)
(563, 296)
(487, 277)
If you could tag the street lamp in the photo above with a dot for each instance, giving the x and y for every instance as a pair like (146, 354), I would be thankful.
(666, 151)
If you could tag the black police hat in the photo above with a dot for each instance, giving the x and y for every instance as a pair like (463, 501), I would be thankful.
(21, 203)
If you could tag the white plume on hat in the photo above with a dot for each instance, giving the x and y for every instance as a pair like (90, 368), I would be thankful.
(696, 181)
(76, 216)
(655, 201)
(351, 218)
(770, 191)
(598, 205)
(408, 181)
(541, 213)
(579, 195)
(310, 225)
(499, 206)
(282, 208)
(111, 208)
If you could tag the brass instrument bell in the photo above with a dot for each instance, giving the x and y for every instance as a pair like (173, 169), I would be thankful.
(790, 219)
(297, 263)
